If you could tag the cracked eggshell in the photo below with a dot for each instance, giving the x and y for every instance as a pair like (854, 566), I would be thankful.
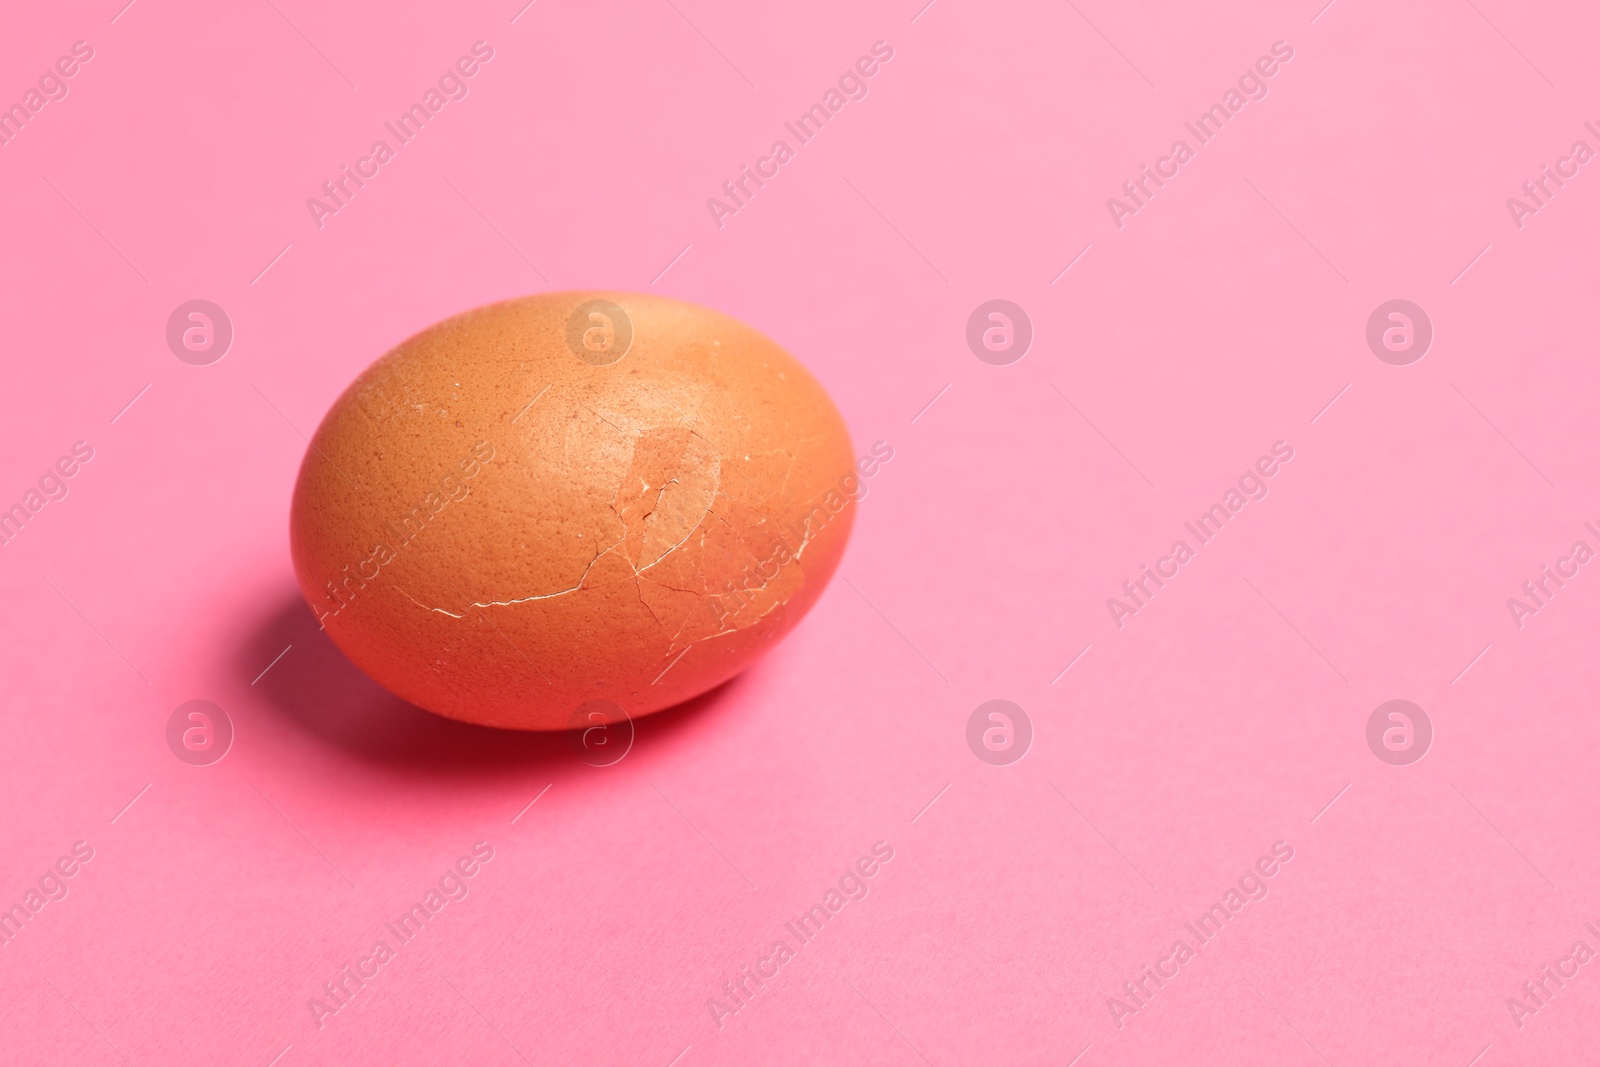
(502, 520)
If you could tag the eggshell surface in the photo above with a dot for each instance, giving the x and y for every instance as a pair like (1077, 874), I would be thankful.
(571, 498)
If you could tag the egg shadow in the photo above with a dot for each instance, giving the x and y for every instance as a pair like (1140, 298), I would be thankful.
(315, 689)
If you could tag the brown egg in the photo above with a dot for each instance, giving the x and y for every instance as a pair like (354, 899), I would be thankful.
(571, 498)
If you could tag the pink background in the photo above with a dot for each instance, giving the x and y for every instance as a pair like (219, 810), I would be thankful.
(1224, 717)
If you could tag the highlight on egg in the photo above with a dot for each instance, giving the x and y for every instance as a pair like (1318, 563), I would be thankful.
(570, 501)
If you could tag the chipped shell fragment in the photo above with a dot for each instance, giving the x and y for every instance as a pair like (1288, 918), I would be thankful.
(571, 498)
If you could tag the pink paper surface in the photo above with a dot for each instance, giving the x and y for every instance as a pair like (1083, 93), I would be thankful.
(1172, 346)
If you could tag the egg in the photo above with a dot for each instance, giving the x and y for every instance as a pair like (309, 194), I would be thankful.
(570, 501)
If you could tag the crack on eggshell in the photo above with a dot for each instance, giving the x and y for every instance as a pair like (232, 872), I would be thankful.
(547, 596)
(674, 483)
(607, 421)
(425, 607)
(638, 587)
